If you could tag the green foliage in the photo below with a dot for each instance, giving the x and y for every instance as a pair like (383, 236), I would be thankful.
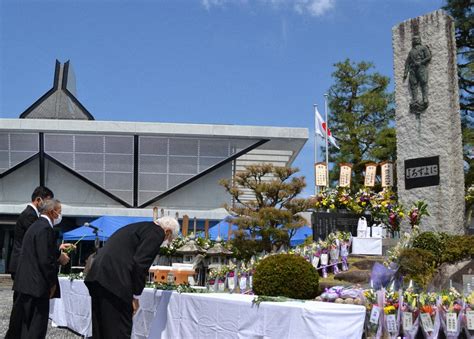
(286, 275)
(445, 247)
(244, 248)
(272, 216)
(434, 242)
(362, 110)
(418, 265)
(463, 14)
(458, 247)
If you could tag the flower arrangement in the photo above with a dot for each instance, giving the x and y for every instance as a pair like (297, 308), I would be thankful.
(429, 314)
(345, 241)
(373, 313)
(410, 313)
(324, 257)
(418, 210)
(333, 243)
(391, 306)
(172, 247)
(406, 241)
(380, 202)
(394, 216)
(450, 309)
(326, 199)
(468, 315)
(344, 199)
(362, 201)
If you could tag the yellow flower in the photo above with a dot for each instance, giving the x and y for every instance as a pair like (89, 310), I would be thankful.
(389, 309)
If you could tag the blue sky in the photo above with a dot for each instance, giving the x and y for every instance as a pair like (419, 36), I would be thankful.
(250, 62)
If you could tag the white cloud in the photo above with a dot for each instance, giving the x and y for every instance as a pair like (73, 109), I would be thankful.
(303, 7)
(314, 7)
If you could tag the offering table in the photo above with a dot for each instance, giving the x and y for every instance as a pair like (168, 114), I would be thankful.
(166, 314)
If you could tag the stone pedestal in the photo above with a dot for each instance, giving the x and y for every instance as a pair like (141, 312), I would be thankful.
(432, 132)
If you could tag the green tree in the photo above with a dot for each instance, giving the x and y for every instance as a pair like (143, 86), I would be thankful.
(362, 117)
(268, 221)
(462, 12)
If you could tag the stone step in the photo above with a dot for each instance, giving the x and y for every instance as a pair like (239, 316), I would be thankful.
(366, 264)
(354, 277)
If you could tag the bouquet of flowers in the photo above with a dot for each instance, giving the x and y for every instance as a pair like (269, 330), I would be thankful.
(362, 201)
(173, 246)
(212, 279)
(204, 243)
(323, 245)
(410, 313)
(450, 311)
(326, 200)
(468, 315)
(391, 313)
(429, 315)
(231, 276)
(344, 199)
(394, 216)
(418, 210)
(345, 241)
(315, 253)
(373, 301)
(244, 273)
(333, 243)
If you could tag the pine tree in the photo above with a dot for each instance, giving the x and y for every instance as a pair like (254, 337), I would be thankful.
(362, 117)
(270, 220)
(462, 12)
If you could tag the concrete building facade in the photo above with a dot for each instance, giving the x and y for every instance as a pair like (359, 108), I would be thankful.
(116, 168)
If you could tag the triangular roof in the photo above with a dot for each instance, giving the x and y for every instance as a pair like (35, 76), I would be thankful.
(59, 102)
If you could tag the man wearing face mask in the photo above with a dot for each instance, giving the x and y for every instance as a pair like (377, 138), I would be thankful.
(29, 215)
(36, 279)
(119, 271)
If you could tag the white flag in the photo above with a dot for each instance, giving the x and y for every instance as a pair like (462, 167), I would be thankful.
(321, 128)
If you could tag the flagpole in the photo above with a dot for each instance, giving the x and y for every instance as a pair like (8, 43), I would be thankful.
(327, 129)
(315, 148)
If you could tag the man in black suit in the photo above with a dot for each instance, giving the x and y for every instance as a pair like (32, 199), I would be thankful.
(36, 279)
(29, 215)
(118, 274)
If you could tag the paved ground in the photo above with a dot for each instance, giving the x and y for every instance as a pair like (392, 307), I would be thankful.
(6, 295)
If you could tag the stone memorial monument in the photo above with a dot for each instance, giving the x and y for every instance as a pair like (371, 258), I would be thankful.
(428, 123)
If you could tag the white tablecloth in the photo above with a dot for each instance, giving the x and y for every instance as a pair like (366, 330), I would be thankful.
(165, 314)
(371, 246)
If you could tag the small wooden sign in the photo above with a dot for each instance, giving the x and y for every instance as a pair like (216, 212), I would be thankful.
(345, 174)
(370, 172)
(387, 173)
(320, 171)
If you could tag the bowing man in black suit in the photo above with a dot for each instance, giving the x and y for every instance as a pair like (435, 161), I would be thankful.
(29, 215)
(36, 279)
(118, 274)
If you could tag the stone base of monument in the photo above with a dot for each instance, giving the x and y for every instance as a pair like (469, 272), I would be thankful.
(452, 274)
(388, 243)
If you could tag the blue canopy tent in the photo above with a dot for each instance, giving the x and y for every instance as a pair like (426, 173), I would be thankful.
(300, 236)
(107, 225)
(222, 229)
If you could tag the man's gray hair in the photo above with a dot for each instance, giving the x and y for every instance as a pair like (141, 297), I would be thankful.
(49, 205)
(169, 223)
